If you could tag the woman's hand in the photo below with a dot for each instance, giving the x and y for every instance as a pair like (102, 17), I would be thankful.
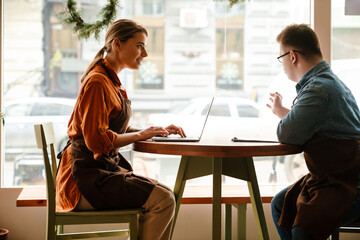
(151, 132)
(130, 137)
(277, 108)
(172, 129)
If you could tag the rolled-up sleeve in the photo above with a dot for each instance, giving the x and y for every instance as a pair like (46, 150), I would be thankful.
(95, 119)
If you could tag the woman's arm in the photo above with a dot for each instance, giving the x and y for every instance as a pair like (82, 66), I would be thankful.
(132, 136)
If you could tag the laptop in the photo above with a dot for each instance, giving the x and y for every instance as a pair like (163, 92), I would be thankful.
(178, 138)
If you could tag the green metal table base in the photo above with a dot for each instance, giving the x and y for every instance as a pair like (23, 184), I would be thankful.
(241, 221)
(236, 167)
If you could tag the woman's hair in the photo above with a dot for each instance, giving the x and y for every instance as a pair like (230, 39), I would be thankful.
(302, 38)
(123, 29)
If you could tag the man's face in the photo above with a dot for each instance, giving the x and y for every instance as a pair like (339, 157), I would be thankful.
(287, 62)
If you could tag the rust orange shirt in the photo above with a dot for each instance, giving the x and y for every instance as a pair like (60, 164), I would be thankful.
(97, 104)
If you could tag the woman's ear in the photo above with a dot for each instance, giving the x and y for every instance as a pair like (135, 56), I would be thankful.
(116, 44)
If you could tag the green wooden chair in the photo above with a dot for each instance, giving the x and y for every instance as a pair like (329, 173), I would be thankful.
(350, 228)
(56, 220)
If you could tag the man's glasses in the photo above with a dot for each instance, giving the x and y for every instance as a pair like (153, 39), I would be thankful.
(280, 57)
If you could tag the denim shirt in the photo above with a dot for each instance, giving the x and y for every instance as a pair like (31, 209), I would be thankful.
(324, 106)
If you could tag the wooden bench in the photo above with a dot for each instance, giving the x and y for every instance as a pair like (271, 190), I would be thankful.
(232, 196)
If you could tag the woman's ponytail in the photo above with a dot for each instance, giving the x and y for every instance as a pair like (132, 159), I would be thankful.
(99, 55)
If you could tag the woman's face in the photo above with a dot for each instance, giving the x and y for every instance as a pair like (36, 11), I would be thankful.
(132, 52)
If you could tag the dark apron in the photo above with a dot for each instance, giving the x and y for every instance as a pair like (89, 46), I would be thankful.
(319, 201)
(108, 182)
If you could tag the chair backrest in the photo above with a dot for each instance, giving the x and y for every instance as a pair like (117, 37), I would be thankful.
(45, 138)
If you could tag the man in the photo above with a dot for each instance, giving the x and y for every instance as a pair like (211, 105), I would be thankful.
(326, 120)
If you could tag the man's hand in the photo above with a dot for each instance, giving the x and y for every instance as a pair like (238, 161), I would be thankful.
(276, 105)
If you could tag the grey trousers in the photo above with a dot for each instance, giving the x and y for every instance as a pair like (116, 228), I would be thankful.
(156, 221)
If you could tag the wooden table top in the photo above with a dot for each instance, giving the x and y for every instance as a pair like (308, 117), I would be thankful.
(217, 148)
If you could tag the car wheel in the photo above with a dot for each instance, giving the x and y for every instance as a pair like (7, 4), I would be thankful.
(295, 167)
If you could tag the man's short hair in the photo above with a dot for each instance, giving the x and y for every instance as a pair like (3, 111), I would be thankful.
(302, 38)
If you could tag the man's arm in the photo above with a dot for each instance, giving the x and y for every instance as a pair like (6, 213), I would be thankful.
(307, 117)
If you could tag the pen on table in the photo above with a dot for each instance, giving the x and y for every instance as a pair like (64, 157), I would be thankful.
(235, 139)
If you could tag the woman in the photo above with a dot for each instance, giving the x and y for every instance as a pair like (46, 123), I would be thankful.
(92, 174)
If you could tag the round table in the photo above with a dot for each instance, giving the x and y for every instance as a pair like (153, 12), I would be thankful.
(219, 157)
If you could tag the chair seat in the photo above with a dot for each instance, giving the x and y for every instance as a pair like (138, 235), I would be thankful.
(349, 228)
(90, 217)
(101, 213)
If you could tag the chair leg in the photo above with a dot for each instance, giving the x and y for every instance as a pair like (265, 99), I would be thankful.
(51, 228)
(133, 227)
(51, 232)
(59, 229)
(228, 221)
(335, 234)
(241, 217)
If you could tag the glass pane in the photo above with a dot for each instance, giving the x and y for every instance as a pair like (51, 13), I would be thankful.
(345, 49)
(197, 49)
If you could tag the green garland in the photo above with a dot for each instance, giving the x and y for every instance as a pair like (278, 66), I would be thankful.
(231, 2)
(71, 16)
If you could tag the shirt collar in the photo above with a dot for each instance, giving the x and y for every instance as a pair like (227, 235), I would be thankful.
(114, 76)
(321, 66)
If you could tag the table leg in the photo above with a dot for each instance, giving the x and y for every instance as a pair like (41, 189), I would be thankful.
(256, 200)
(228, 221)
(179, 188)
(241, 219)
(243, 168)
(217, 173)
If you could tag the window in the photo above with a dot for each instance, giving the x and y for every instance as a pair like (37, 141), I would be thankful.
(152, 8)
(345, 57)
(197, 49)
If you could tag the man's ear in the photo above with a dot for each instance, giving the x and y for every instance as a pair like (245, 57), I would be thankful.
(293, 57)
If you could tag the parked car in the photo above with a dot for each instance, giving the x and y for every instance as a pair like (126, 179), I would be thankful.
(24, 160)
(22, 114)
(20, 145)
(229, 117)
